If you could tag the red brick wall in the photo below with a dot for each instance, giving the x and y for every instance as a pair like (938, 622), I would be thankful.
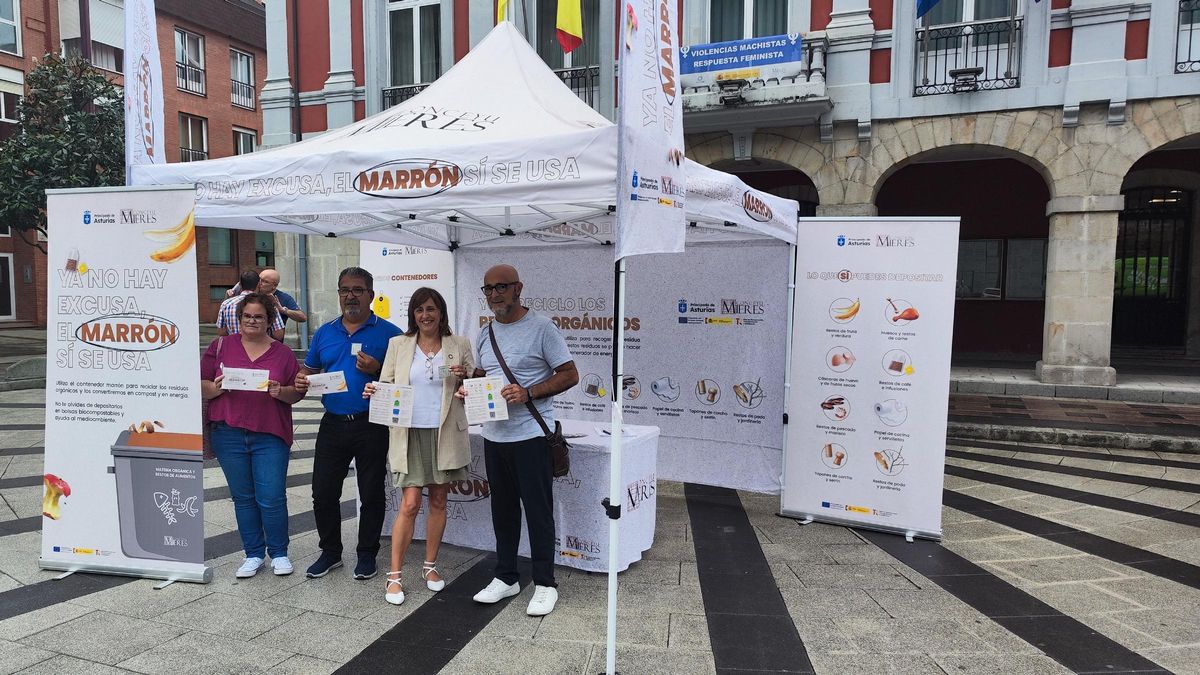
(39, 34)
(881, 14)
(216, 107)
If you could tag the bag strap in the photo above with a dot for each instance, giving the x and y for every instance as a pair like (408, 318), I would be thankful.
(504, 366)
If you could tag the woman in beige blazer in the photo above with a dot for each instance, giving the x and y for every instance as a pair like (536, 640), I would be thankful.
(435, 450)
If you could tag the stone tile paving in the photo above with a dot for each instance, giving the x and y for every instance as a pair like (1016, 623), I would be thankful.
(856, 608)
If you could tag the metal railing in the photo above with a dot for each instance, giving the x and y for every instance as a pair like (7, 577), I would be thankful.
(189, 78)
(969, 56)
(241, 94)
(1187, 50)
(190, 155)
(582, 80)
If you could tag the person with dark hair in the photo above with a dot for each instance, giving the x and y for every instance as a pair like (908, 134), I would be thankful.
(228, 320)
(355, 343)
(435, 450)
(252, 431)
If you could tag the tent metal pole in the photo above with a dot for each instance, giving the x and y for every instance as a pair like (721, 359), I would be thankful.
(302, 272)
(613, 505)
(787, 362)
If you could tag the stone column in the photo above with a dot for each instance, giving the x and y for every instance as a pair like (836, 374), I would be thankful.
(339, 86)
(276, 98)
(847, 210)
(1079, 290)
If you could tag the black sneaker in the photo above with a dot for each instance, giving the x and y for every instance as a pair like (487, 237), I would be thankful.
(365, 569)
(325, 563)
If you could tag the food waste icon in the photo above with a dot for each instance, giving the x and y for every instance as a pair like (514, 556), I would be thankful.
(55, 489)
(177, 241)
(836, 408)
(843, 310)
(839, 359)
(593, 386)
(891, 412)
(630, 387)
(897, 363)
(899, 312)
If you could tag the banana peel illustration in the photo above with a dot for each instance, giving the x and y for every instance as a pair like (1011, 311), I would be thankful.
(179, 240)
(846, 313)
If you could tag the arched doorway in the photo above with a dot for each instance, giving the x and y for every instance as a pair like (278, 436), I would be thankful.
(1003, 241)
(776, 178)
(1155, 278)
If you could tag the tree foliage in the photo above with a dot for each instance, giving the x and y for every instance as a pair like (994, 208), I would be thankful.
(71, 134)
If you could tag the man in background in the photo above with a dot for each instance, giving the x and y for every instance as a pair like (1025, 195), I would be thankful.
(227, 319)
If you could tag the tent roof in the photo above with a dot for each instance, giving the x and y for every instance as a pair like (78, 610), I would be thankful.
(495, 151)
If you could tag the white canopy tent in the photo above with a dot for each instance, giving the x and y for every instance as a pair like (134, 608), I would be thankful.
(496, 152)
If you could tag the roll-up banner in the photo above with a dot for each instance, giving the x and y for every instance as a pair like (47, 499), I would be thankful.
(400, 270)
(870, 375)
(705, 346)
(123, 489)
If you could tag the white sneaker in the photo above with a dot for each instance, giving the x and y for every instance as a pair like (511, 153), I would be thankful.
(282, 566)
(249, 568)
(497, 591)
(544, 599)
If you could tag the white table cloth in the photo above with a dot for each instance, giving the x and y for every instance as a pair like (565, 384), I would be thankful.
(581, 526)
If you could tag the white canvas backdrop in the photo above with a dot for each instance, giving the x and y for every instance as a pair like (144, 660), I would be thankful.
(715, 315)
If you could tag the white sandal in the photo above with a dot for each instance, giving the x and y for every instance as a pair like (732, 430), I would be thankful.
(397, 597)
(429, 568)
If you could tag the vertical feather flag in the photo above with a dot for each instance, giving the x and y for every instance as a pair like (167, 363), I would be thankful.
(569, 25)
(501, 10)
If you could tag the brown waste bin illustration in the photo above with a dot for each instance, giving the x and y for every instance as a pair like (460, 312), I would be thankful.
(160, 495)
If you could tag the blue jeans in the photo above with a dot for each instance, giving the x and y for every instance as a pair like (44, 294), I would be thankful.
(255, 466)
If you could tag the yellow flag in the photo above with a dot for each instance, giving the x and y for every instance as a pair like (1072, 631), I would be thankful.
(569, 25)
(501, 10)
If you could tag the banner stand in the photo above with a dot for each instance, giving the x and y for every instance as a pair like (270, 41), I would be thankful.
(123, 489)
(869, 373)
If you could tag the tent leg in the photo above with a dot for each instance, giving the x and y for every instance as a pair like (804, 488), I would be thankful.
(613, 505)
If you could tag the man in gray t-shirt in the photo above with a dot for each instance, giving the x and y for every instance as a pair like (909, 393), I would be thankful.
(519, 468)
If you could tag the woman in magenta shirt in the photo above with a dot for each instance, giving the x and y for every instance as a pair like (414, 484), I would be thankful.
(252, 431)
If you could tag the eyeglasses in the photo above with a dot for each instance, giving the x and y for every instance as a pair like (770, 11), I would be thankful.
(499, 288)
(357, 291)
(429, 367)
(254, 318)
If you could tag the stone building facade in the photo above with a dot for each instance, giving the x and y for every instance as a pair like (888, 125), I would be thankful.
(1064, 133)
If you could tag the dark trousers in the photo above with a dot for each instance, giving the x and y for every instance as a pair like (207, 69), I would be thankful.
(519, 474)
(339, 441)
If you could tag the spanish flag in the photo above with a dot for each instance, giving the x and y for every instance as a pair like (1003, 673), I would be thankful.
(570, 24)
(501, 10)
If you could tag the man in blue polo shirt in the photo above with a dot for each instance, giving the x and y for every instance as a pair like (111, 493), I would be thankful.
(354, 343)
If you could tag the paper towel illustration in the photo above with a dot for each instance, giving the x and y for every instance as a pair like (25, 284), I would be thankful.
(665, 389)
(891, 412)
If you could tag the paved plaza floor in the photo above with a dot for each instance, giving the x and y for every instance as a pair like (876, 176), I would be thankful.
(1056, 559)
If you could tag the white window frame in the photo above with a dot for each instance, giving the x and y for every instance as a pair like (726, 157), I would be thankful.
(237, 53)
(201, 65)
(747, 18)
(8, 116)
(238, 132)
(15, 23)
(183, 117)
(12, 286)
(415, 6)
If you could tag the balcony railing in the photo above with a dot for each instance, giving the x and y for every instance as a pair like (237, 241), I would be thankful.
(241, 94)
(190, 155)
(189, 78)
(1187, 50)
(966, 57)
(582, 80)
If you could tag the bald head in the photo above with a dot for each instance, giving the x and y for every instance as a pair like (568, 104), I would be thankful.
(268, 281)
(502, 290)
(501, 273)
